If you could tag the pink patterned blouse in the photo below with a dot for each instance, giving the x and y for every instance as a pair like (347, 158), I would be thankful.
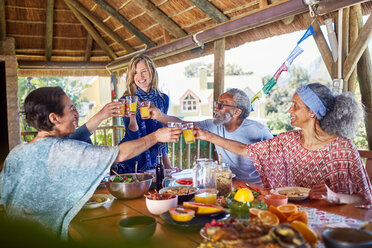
(282, 161)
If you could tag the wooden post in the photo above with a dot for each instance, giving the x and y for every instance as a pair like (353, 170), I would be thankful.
(116, 120)
(364, 68)
(219, 68)
(353, 30)
(345, 39)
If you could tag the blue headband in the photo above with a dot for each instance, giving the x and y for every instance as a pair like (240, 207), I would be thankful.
(311, 100)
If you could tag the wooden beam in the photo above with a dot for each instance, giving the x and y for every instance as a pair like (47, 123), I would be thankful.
(353, 36)
(345, 39)
(27, 64)
(2, 20)
(166, 36)
(327, 6)
(96, 36)
(323, 48)
(219, 65)
(96, 21)
(125, 23)
(210, 10)
(262, 3)
(364, 69)
(49, 29)
(232, 27)
(357, 50)
(88, 49)
(160, 17)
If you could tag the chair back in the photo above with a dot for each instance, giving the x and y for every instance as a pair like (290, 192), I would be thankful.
(368, 156)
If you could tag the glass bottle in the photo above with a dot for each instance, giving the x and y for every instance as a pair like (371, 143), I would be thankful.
(204, 173)
(159, 172)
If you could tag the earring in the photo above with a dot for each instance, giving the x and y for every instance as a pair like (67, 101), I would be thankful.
(312, 116)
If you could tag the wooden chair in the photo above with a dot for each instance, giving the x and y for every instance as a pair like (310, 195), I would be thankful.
(368, 156)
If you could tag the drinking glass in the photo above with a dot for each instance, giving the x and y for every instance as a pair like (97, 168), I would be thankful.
(144, 109)
(132, 104)
(175, 124)
(187, 132)
(207, 196)
(123, 107)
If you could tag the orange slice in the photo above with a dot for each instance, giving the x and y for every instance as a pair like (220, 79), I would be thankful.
(301, 216)
(268, 218)
(253, 212)
(278, 214)
(308, 234)
(287, 209)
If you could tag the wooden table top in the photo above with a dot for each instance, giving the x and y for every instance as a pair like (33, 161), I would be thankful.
(100, 225)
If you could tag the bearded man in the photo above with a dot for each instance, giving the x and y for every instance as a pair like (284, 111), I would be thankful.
(230, 121)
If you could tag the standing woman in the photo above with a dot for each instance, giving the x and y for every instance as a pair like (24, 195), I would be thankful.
(142, 81)
(320, 155)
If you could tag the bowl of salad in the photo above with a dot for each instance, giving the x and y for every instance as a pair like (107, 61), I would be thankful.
(128, 186)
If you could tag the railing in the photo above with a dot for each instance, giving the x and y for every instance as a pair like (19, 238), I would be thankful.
(181, 154)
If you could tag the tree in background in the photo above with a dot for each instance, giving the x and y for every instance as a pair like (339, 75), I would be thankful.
(73, 89)
(192, 70)
(279, 100)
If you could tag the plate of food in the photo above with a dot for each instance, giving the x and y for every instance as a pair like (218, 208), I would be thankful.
(293, 193)
(98, 200)
(196, 223)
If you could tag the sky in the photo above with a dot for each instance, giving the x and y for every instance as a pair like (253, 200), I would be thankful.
(262, 57)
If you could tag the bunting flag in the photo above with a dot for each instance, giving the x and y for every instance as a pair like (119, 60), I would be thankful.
(113, 87)
(284, 67)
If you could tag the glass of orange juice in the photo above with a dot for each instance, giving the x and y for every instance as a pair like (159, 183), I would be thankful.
(132, 104)
(207, 196)
(175, 124)
(144, 109)
(187, 132)
(122, 107)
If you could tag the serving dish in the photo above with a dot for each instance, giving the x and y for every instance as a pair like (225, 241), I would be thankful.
(347, 238)
(98, 200)
(195, 224)
(130, 190)
(293, 193)
(137, 228)
(185, 193)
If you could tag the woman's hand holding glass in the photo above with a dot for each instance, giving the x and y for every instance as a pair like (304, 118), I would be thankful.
(168, 134)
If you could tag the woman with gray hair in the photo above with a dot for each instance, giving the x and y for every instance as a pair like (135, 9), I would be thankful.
(320, 155)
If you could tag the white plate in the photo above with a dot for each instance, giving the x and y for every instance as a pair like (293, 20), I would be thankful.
(90, 205)
(293, 193)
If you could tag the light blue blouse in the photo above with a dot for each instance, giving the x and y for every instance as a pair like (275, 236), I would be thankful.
(48, 181)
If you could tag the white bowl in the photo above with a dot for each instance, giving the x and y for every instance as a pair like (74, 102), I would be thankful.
(157, 207)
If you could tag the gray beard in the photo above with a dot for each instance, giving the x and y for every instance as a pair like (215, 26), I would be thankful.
(220, 120)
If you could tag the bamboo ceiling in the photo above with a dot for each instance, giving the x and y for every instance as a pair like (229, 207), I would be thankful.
(93, 33)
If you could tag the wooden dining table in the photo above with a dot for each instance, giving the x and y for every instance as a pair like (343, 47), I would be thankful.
(100, 225)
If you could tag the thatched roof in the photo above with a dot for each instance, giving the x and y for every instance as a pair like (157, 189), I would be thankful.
(88, 34)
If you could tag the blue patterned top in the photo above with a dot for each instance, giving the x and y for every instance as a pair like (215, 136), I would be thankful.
(48, 181)
(147, 159)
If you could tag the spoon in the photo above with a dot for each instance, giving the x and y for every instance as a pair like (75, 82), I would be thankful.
(117, 174)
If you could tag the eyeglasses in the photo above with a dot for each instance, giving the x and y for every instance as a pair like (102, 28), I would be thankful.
(221, 105)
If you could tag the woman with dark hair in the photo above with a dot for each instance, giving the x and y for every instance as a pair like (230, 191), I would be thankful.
(320, 155)
(142, 81)
(49, 179)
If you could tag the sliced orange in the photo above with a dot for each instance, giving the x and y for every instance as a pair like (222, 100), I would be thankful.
(278, 214)
(287, 209)
(301, 216)
(308, 234)
(253, 212)
(268, 218)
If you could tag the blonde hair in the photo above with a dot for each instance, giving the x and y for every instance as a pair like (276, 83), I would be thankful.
(131, 86)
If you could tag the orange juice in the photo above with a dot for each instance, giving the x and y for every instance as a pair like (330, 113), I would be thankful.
(206, 197)
(144, 111)
(189, 137)
(133, 107)
(122, 110)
